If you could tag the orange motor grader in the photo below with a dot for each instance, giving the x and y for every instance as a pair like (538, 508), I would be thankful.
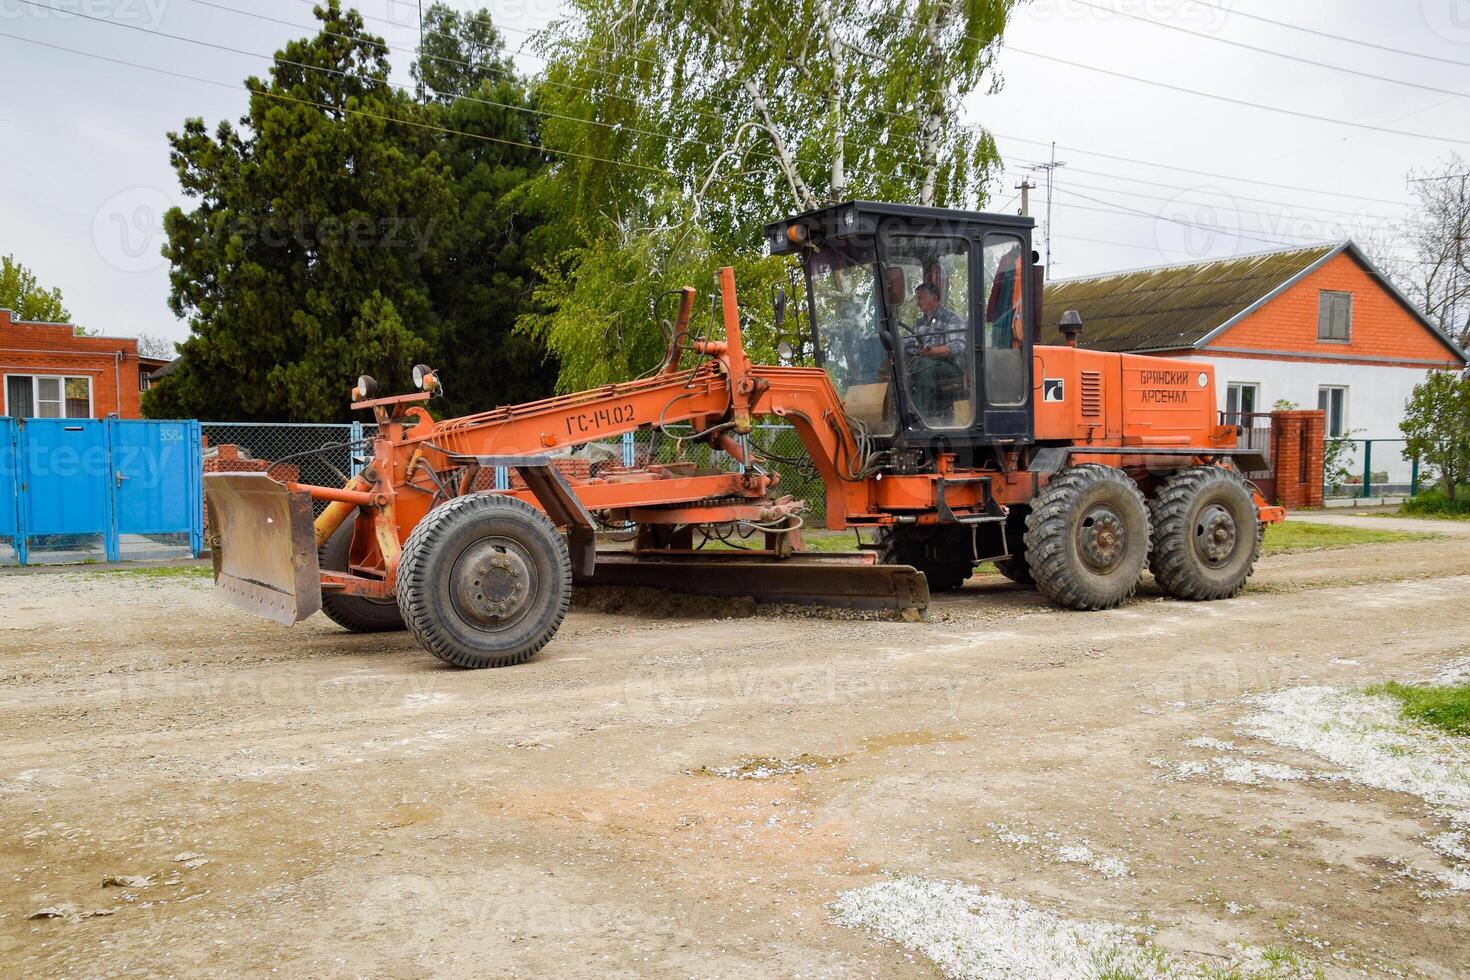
(920, 394)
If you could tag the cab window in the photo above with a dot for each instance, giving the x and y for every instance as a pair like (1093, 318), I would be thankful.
(1007, 368)
(926, 289)
(848, 324)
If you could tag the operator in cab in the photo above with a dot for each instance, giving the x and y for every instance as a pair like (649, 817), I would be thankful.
(939, 352)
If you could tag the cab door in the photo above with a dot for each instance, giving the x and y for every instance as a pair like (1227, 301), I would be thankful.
(1004, 335)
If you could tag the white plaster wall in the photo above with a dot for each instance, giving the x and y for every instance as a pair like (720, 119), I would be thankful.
(1375, 399)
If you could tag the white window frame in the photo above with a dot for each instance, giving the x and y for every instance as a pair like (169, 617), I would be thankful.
(35, 406)
(1241, 384)
(1327, 427)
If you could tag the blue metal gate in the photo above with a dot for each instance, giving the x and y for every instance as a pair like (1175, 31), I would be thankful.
(94, 489)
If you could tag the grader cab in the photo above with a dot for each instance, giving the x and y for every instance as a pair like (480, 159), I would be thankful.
(915, 382)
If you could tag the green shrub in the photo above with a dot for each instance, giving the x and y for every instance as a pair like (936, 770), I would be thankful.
(1436, 503)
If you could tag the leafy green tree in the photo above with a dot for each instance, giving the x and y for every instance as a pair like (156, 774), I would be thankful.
(345, 227)
(683, 126)
(487, 277)
(1437, 426)
(22, 295)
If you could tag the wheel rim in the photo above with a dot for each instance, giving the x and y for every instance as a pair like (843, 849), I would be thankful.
(1102, 538)
(1215, 535)
(492, 583)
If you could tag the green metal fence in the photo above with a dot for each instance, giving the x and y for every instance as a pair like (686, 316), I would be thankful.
(1368, 468)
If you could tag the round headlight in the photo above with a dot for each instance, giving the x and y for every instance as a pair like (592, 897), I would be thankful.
(423, 378)
(366, 388)
(784, 351)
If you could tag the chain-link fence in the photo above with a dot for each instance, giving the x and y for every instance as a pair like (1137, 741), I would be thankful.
(294, 447)
(777, 449)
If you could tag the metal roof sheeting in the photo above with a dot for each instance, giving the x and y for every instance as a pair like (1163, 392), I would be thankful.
(1173, 307)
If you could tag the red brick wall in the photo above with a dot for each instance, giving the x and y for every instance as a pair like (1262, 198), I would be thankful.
(227, 459)
(1381, 326)
(53, 349)
(1296, 457)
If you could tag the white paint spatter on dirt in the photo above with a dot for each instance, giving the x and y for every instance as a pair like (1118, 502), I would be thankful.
(968, 933)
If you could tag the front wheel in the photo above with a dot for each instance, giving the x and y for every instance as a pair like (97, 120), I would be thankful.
(1206, 534)
(942, 554)
(485, 581)
(1087, 537)
(355, 613)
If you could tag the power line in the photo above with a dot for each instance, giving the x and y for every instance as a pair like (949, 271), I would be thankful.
(1197, 173)
(1234, 101)
(235, 87)
(398, 85)
(622, 127)
(968, 126)
(548, 114)
(1335, 37)
(1209, 192)
(1123, 209)
(1277, 54)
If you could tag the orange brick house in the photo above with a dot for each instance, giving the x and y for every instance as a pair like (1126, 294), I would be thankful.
(1319, 327)
(50, 372)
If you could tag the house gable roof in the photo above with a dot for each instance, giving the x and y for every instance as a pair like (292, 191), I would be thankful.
(1181, 307)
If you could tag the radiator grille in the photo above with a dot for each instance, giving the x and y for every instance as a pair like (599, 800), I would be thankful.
(1092, 393)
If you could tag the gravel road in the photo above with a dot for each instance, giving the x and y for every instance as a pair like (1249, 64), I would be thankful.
(680, 789)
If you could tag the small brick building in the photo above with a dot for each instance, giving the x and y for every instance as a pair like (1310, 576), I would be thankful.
(47, 371)
(1318, 327)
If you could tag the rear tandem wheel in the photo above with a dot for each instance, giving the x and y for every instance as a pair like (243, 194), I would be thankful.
(485, 581)
(1206, 534)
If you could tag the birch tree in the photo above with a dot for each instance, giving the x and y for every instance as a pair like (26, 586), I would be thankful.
(698, 121)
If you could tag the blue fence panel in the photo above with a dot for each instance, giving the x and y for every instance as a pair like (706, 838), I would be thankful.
(157, 482)
(65, 506)
(11, 546)
(74, 490)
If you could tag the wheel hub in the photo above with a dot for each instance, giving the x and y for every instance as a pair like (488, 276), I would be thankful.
(1102, 538)
(492, 584)
(1214, 535)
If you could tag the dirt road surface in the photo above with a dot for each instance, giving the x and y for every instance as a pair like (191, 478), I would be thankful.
(316, 803)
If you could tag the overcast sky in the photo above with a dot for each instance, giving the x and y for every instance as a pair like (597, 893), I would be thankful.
(85, 174)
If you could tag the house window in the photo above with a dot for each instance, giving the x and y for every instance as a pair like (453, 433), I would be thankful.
(144, 382)
(1241, 399)
(1334, 316)
(1332, 399)
(48, 397)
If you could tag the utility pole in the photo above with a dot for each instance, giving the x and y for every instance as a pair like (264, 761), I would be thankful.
(1050, 169)
(1025, 188)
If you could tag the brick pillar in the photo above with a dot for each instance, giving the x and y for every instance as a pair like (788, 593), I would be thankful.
(1315, 433)
(1296, 457)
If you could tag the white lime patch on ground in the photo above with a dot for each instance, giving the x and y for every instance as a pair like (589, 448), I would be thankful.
(1206, 742)
(968, 933)
(1063, 852)
(1366, 737)
(1252, 773)
(759, 768)
(1247, 772)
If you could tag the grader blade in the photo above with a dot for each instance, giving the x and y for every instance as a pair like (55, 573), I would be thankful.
(843, 581)
(264, 547)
